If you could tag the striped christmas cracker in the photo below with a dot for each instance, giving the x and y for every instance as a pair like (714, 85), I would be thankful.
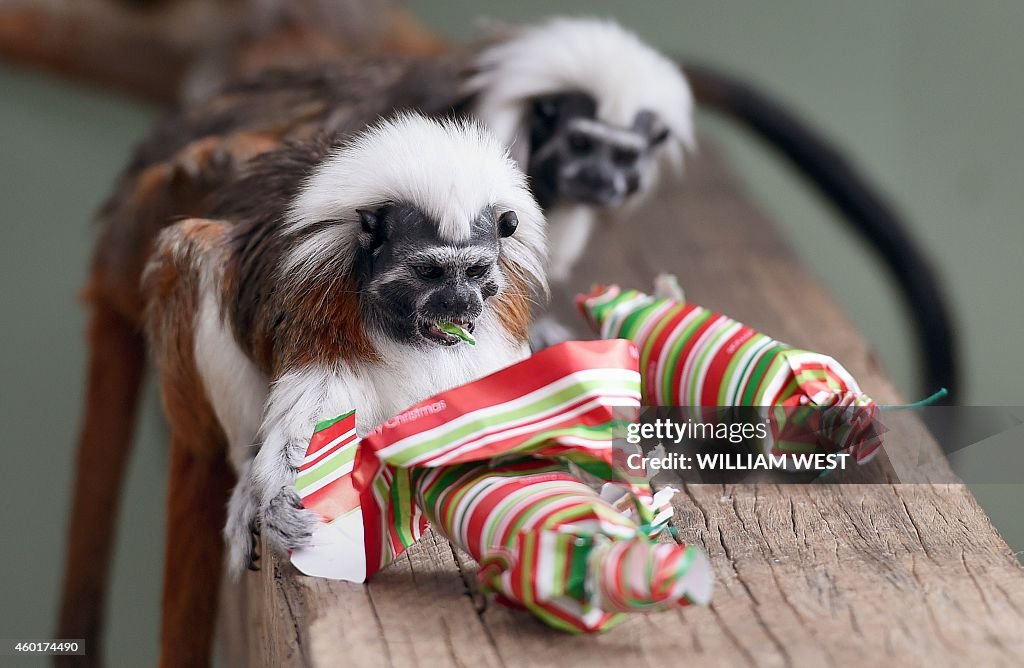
(564, 402)
(692, 356)
(562, 399)
(547, 542)
(494, 465)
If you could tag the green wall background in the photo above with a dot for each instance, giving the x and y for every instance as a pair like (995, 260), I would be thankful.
(925, 96)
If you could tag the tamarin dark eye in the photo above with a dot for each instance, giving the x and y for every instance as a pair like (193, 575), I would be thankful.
(478, 270)
(546, 109)
(580, 143)
(428, 271)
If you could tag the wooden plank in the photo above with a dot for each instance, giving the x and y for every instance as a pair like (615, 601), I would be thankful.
(417, 612)
(807, 574)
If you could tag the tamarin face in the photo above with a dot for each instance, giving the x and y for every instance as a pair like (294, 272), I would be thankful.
(391, 236)
(575, 157)
(593, 114)
(411, 279)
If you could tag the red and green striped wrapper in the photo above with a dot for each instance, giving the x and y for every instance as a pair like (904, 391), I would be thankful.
(547, 542)
(495, 465)
(691, 356)
(325, 480)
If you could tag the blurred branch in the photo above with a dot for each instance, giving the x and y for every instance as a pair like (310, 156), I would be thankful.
(92, 41)
(150, 48)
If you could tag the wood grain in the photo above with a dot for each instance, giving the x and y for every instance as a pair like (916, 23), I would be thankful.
(808, 575)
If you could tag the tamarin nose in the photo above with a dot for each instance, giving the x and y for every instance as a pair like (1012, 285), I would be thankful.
(595, 177)
(454, 299)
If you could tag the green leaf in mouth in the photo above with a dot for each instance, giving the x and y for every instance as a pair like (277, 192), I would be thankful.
(455, 330)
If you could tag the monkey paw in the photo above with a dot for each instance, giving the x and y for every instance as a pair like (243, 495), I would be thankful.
(287, 524)
(242, 530)
(242, 536)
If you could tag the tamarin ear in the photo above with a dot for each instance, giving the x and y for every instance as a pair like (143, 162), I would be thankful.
(507, 224)
(659, 136)
(651, 127)
(372, 226)
(545, 112)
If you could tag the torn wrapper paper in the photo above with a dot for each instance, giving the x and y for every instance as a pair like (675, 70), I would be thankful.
(495, 466)
(691, 356)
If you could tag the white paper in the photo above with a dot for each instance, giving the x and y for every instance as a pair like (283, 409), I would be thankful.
(337, 551)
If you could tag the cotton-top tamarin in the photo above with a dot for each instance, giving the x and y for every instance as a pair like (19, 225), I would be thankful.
(324, 282)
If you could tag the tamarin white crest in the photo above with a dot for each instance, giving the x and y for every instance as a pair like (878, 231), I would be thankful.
(623, 77)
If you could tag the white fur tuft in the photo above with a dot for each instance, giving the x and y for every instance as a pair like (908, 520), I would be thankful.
(594, 56)
(450, 169)
(235, 387)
